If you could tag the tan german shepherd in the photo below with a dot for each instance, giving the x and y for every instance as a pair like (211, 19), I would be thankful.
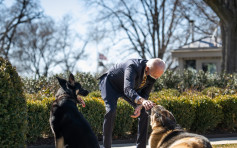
(167, 134)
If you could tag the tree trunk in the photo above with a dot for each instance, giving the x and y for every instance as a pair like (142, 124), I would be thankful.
(226, 11)
(231, 46)
(223, 34)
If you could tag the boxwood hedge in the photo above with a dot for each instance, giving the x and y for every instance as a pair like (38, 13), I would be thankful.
(197, 113)
(13, 113)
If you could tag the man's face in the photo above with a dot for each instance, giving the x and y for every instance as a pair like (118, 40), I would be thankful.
(155, 72)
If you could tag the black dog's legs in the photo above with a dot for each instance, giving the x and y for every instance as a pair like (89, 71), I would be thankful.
(59, 140)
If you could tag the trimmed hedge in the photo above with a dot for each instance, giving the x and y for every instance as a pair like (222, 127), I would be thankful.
(38, 118)
(48, 86)
(208, 114)
(182, 108)
(94, 113)
(123, 121)
(195, 112)
(13, 113)
(229, 109)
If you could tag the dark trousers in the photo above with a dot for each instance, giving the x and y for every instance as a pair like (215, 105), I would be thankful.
(110, 97)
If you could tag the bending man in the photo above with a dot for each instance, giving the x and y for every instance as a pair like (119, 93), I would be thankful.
(132, 80)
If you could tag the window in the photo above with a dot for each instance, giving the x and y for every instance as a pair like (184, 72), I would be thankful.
(209, 67)
(190, 64)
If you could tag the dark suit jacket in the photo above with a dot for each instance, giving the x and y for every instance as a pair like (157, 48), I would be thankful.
(126, 78)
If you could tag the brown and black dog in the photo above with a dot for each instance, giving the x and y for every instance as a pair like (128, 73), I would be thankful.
(69, 126)
(167, 134)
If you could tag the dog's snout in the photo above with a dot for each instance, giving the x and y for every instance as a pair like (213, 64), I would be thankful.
(148, 112)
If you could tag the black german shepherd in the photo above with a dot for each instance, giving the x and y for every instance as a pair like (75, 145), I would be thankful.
(69, 126)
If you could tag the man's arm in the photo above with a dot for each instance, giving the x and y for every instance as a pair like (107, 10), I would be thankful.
(129, 82)
(145, 92)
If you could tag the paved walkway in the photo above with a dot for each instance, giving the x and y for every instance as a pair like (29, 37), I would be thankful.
(214, 141)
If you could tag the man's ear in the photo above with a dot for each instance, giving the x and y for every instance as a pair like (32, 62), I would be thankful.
(62, 82)
(71, 79)
(147, 70)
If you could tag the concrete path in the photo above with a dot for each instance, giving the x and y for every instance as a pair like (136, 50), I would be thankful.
(214, 141)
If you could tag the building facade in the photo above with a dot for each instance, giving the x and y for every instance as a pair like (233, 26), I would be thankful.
(204, 54)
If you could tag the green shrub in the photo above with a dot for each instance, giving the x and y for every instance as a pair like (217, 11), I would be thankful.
(47, 103)
(94, 113)
(182, 108)
(229, 108)
(168, 92)
(13, 113)
(202, 80)
(191, 93)
(38, 118)
(96, 94)
(88, 81)
(192, 110)
(48, 86)
(212, 91)
(188, 79)
(123, 121)
(208, 114)
(170, 79)
(41, 87)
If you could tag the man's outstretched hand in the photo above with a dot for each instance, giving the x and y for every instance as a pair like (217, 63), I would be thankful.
(147, 104)
(137, 111)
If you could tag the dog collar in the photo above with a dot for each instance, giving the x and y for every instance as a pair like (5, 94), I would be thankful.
(64, 96)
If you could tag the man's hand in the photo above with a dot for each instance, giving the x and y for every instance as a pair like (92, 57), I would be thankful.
(147, 104)
(137, 111)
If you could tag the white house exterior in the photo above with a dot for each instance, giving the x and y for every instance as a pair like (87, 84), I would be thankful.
(204, 54)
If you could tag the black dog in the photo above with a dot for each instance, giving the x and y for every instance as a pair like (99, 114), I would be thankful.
(69, 126)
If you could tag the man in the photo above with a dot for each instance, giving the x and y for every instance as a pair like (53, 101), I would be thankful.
(132, 80)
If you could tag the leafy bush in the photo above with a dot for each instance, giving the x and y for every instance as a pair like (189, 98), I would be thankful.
(13, 113)
(192, 110)
(229, 108)
(165, 92)
(123, 121)
(212, 91)
(94, 113)
(96, 94)
(187, 79)
(208, 114)
(182, 108)
(38, 118)
(41, 87)
(88, 81)
(47, 87)
(170, 79)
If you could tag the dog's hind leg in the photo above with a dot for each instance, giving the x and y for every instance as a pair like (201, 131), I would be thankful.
(59, 142)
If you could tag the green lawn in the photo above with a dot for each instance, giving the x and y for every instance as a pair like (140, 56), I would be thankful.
(225, 146)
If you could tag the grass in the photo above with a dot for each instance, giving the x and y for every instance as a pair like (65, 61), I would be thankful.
(225, 146)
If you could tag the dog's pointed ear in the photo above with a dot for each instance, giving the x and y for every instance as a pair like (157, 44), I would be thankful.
(172, 118)
(168, 120)
(71, 79)
(62, 82)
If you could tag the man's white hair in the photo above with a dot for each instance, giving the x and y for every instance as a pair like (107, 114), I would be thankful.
(156, 62)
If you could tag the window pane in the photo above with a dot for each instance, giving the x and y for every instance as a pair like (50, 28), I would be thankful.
(209, 67)
(190, 64)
